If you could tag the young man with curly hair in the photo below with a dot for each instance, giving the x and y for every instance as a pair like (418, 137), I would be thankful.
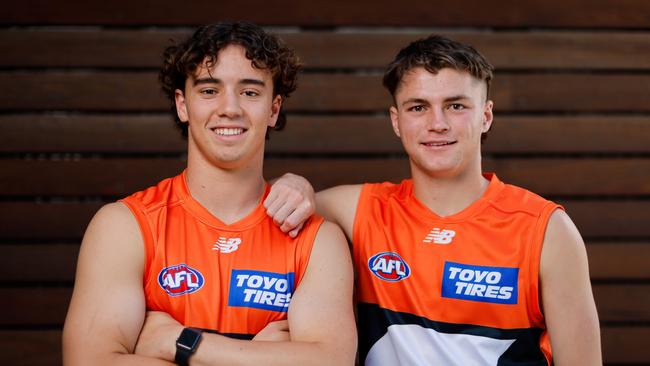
(453, 266)
(191, 270)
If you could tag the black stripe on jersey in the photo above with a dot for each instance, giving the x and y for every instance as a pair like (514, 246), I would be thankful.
(243, 336)
(374, 321)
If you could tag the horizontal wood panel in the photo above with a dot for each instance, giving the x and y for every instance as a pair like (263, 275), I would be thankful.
(92, 47)
(128, 133)
(43, 347)
(38, 262)
(139, 91)
(31, 347)
(57, 262)
(120, 177)
(595, 219)
(467, 13)
(25, 305)
(624, 260)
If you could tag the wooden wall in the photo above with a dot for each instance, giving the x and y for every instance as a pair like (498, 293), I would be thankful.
(82, 122)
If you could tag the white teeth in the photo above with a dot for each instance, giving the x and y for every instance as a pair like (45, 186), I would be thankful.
(438, 143)
(228, 131)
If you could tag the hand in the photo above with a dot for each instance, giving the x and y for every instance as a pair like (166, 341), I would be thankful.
(158, 336)
(276, 331)
(290, 203)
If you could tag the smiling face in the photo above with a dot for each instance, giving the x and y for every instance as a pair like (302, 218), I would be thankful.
(440, 118)
(228, 106)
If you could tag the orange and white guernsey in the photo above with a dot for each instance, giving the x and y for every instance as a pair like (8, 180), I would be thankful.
(230, 279)
(455, 290)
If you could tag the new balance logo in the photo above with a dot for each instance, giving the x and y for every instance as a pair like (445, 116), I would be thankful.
(225, 245)
(438, 236)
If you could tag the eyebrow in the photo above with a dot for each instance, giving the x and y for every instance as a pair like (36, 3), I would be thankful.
(218, 81)
(415, 100)
(453, 98)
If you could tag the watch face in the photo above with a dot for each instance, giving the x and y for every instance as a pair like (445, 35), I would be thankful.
(188, 338)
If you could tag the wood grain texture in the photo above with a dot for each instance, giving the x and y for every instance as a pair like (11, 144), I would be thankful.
(466, 13)
(335, 134)
(119, 177)
(133, 91)
(360, 48)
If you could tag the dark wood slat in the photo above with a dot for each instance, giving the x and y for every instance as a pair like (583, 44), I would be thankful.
(138, 91)
(67, 221)
(119, 177)
(43, 347)
(126, 133)
(626, 303)
(57, 262)
(51, 221)
(90, 133)
(31, 347)
(624, 260)
(509, 13)
(625, 345)
(610, 218)
(38, 262)
(26, 304)
(91, 47)
(556, 177)
(580, 134)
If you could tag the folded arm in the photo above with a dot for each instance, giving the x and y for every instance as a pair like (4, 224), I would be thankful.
(320, 319)
(107, 308)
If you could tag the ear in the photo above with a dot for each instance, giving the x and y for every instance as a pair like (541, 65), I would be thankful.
(181, 106)
(394, 119)
(276, 104)
(487, 116)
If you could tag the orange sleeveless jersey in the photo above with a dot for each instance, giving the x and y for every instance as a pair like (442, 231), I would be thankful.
(230, 279)
(456, 290)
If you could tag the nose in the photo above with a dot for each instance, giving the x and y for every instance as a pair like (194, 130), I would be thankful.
(229, 106)
(438, 121)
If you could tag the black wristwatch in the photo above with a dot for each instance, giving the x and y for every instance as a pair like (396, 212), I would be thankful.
(186, 345)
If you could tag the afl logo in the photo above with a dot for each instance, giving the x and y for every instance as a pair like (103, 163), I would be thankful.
(389, 266)
(180, 279)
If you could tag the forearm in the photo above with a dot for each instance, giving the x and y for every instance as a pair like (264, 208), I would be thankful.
(219, 350)
(113, 359)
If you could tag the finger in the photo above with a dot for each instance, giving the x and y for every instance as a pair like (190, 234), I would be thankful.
(297, 217)
(280, 217)
(272, 197)
(273, 206)
(293, 233)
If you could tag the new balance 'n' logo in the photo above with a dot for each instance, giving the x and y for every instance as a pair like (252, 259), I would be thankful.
(439, 236)
(225, 245)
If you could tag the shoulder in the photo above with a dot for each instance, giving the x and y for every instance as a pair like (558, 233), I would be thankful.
(113, 232)
(562, 241)
(330, 242)
(512, 198)
(385, 190)
(161, 193)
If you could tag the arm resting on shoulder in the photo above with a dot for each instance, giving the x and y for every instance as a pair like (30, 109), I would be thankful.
(291, 202)
(107, 308)
(567, 299)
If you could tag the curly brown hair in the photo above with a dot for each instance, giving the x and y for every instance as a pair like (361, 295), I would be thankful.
(264, 50)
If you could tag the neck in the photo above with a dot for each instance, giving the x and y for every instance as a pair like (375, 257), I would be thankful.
(228, 194)
(448, 195)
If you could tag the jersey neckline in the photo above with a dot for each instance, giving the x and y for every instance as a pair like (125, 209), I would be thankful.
(195, 208)
(493, 189)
